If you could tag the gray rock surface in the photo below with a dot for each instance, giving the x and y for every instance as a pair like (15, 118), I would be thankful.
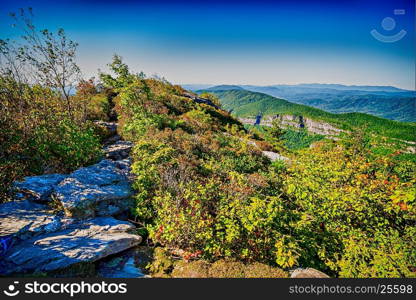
(38, 188)
(98, 190)
(308, 273)
(119, 150)
(293, 121)
(25, 219)
(79, 242)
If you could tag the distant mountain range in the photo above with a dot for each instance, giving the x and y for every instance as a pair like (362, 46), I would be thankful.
(368, 88)
(245, 103)
(382, 101)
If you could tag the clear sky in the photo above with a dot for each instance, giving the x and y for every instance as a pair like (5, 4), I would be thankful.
(241, 42)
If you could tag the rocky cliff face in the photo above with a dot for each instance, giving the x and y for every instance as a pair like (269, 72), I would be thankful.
(285, 121)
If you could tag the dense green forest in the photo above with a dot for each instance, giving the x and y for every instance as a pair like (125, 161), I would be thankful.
(385, 102)
(203, 188)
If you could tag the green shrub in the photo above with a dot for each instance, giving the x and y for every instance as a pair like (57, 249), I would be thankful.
(15, 157)
(42, 126)
(39, 135)
(387, 254)
(356, 212)
(66, 146)
(201, 187)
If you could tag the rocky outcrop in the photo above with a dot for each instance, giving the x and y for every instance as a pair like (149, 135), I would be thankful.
(285, 121)
(410, 149)
(37, 188)
(119, 150)
(35, 239)
(322, 128)
(102, 189)
(81, 241)
(200, 100)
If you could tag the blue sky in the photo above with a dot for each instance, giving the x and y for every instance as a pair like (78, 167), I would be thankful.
(241, 42)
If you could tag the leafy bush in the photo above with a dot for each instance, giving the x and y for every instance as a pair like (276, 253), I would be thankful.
(356, 213)
(65, 146)
(15, 158)
(203, 188)
(42, 127)
(198, 120)
(214, 99)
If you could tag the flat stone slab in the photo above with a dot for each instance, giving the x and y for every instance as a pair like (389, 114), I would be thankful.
(118, 150)
(80, 242)
(25, 219)
(37, 188)
(102, 189)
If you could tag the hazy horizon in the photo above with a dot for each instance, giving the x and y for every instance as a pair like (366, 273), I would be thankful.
(239, 42)
(291, 84)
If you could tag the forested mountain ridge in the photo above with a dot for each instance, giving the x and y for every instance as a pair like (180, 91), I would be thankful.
(245, 103)
(386, 102)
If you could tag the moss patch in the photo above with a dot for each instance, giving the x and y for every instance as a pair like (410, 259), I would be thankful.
(165, 266)
(162, 264)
